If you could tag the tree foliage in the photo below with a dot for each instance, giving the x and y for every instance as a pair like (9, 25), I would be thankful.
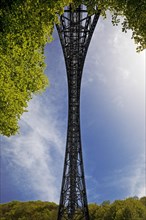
(128, 209)
(130, 13)
(28, 210)
(26, 27)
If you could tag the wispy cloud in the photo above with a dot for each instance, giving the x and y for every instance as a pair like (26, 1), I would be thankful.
(37, 152)
(114, 66)
(92, 190)
(131, 179)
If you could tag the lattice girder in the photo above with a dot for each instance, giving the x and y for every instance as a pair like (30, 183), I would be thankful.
(75, 31)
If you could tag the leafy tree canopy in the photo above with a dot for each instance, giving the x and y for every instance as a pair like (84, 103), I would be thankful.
(25, 28)
(28, 210)
(130, 13)
(128, 209)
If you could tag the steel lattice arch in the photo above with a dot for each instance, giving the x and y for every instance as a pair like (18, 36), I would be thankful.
(75, 31)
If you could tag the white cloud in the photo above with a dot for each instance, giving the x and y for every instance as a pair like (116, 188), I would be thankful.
(131, 179)
(37, 153)
(92, 189)
(114, 66)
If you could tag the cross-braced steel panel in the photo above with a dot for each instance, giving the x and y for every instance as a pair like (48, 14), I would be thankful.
(75, 31)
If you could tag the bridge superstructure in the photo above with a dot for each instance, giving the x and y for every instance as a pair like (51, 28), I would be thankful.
(75, 31)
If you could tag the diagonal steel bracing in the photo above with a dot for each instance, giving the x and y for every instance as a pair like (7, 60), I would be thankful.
(75, 31)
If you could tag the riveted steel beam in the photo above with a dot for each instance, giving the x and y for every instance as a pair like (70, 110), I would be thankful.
(75, 31)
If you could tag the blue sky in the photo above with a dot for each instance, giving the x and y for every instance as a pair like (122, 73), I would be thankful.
(112, 125)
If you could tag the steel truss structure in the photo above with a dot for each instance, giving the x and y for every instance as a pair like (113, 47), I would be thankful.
(75, 31)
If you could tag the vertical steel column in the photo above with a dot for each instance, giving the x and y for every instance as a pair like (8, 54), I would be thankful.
(75, 31)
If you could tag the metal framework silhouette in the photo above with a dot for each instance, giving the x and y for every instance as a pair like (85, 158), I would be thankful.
(75, 31)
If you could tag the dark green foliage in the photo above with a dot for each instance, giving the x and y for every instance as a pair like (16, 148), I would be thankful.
(28, 210)
(143, 200)
(128, 209)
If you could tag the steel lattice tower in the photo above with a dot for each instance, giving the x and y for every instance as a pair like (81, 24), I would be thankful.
(75, 31)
